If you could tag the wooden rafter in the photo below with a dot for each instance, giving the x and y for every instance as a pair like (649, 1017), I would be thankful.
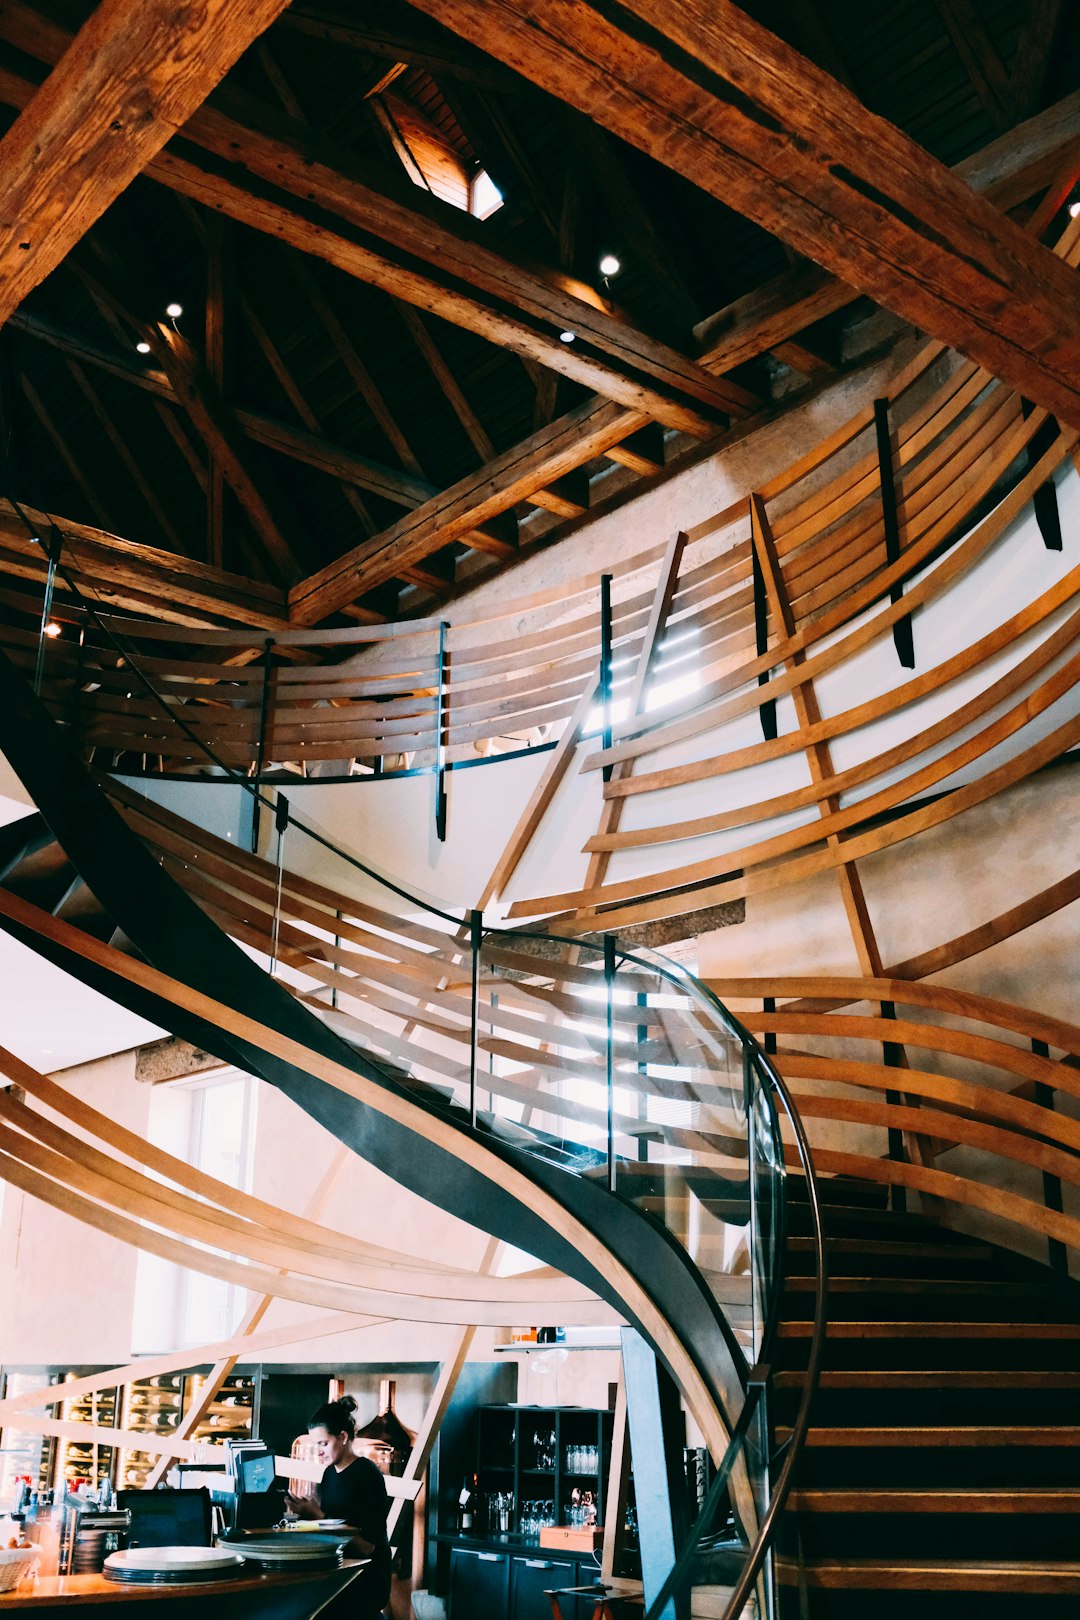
(130, 78)
(712, 94)
(218, 329)
(142, 579)
(980, 56)
(1031, 69)
(135, 472)
(41, 411)
(117, 282)
(566, 444)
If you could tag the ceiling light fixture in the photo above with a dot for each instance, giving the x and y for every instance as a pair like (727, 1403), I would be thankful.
(52, 629)
(174, 310)
(610, 265)
(1074, 209)
(142, 348)
(567, 337)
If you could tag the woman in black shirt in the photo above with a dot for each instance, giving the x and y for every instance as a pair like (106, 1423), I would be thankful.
(352, 1489)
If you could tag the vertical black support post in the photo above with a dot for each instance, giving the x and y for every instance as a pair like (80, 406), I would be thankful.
(52, 552)
(903, 639)
(440, 739)
(260, 751)
(281, 827)
(642, 1001)
(897, 1151)
(476, 939)
(609, 1054)
(605, 664)
(769, 1005)
(767, 710)
(1044, 1098)
(337, 947)
(1045, 502)
(657, 1435)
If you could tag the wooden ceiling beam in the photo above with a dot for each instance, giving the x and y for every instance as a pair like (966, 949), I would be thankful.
(1008, 171)
(142, 579)
(208, 414)
(311, 448)
(980, 56)
(130, 462)
(217, 350)
(710, 93)
(413, 249)
(94, 504)
(443, 55)
(1031, 69)
(556, 450)
(130, 78)
(397, 238)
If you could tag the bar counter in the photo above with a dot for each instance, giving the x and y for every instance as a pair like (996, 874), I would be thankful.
(265, 1596)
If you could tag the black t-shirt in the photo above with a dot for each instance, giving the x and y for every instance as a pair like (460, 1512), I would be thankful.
(358, 1495)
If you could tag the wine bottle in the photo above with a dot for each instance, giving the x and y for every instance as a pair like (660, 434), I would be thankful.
(467, 1505)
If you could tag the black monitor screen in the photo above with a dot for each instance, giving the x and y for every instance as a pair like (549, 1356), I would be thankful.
(167, 1518)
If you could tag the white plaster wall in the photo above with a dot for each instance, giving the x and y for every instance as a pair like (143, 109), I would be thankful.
(67, 1290)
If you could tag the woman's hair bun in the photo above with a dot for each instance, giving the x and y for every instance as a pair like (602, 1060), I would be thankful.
(336, 1417)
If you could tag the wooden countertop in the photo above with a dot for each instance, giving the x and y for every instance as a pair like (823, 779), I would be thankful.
(60, 1591)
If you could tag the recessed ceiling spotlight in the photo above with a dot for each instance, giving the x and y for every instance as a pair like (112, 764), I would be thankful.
(567, 337)
(610, 265)
(52, 629)
(1074, 209)
(142, 348)
(174, 310)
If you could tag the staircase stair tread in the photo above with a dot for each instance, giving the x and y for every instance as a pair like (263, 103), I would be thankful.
(974, 1499)
(934, 1330)
(916, 1285)
(897, 1246)
(959, 1434)
(931, 1574)
(933, 1378)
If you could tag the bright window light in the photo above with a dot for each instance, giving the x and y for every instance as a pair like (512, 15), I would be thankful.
(485, 198)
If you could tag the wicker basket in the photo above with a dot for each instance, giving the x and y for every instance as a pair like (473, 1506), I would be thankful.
(15, 1565)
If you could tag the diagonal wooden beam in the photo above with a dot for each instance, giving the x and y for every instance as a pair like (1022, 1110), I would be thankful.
(140, 578)
(129, 79)
(574, 438)
(980, 56)
(135, 472)
(217, 350)
(211, 418)
(1034, 59)
(710, 93)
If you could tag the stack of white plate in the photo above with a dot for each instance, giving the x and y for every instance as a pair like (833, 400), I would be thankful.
(287, 1550)
(172, 1566)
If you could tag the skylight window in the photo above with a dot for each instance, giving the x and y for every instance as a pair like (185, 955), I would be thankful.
(485, 198)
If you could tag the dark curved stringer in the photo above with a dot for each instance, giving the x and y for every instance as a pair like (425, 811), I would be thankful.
(164, 925)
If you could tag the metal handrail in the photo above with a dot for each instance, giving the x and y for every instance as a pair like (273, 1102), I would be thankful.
(676, 975)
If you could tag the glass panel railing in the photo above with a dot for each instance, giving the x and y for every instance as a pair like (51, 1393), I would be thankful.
(614, 1065)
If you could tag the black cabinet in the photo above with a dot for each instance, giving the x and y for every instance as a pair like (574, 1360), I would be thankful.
(532, 1576)
(479, 1584)
(546, 1459)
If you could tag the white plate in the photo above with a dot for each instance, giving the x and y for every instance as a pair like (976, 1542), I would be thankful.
(330, 1524)
(172, 1559)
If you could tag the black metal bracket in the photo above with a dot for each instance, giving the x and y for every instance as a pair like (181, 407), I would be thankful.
(440, 739)
(1044, 1098)
(260, 756)
(897, 1153)
(766, 710)
(605, 665)
(1044, 501)
(903, 640)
